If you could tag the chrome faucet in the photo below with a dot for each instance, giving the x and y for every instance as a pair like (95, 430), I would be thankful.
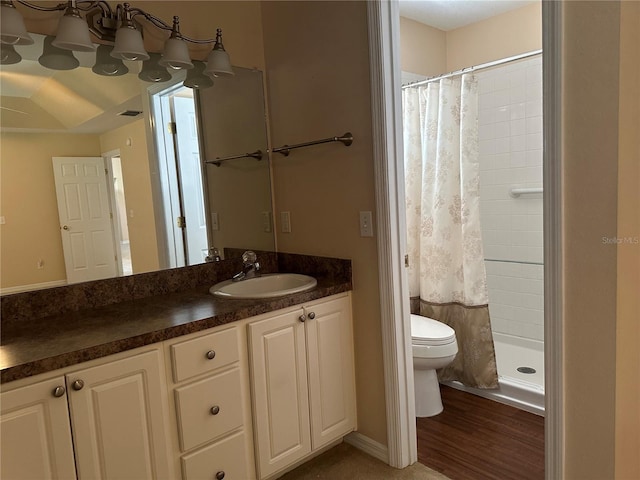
(250, 267)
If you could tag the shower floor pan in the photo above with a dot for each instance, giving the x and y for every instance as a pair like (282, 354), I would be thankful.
(521, 390)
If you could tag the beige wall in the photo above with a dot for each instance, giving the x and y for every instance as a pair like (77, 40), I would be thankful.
(315, 93)
(627, 433)
(428, 51)
(137, 192)
(29, 205)
(502, 36)
(423, 49)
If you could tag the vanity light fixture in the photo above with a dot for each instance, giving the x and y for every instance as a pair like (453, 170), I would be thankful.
(56, 58)
(117, 26)
(106, 65)
(196, 78)
(8, 55)
(152, 71)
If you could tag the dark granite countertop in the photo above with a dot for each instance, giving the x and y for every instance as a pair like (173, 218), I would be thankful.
(58, 341)
(43, 344)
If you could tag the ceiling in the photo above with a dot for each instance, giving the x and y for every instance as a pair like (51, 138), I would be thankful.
(451, 14)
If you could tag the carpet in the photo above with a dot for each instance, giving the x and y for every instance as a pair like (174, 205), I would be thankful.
(347, 462)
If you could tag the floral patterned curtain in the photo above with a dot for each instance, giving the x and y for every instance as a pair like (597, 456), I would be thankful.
(447, 278)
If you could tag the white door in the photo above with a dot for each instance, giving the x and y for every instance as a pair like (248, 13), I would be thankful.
(190, 173)
(280, 395)
(120, 420)
(35, 433)
(85, 218)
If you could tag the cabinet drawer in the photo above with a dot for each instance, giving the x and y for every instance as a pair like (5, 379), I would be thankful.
(225, 459)
(197, 421)
(192, 357)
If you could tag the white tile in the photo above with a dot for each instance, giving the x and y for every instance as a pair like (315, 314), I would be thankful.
(486, 147)
(534, 74)
(518, 94)
(534, 158)
(518, 127)
(518, 159)
(517, 143)
(518, 110)
(534, 141)
(534, 91)
(533, 108)
(501, 82)
(502, 129)
(517, 77)
(501, 145)
(534, 124)
(502, 160)
(502, 114)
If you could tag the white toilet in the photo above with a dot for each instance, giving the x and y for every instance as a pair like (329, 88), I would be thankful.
(434, 346)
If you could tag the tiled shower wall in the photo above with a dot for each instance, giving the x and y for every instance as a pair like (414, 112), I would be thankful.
(510, 142)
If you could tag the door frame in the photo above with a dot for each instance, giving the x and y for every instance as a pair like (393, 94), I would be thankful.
(384, 41)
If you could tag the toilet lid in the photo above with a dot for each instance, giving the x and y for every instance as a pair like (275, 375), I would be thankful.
(427, 331)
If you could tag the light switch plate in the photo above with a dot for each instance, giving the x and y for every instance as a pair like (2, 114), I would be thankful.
(366, 224)
(285, 218)
(214, 221)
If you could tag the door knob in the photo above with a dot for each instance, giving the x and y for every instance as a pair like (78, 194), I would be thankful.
(66, 227)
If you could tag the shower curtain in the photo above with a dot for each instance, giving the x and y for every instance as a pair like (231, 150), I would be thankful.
(447, 278)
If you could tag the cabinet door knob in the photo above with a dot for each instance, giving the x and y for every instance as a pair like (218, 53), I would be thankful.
(215, 410)
(311, 315)
(220, 475)
(211, 354)
(77, 385)
(58, 391)
(302, 317)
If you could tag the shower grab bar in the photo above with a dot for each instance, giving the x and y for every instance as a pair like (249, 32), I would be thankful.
(346, 139)
(218, 161)
(513, 261)
(516, 192)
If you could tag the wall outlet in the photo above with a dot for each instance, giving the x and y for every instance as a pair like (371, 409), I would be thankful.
(285, 218)
(366, 224)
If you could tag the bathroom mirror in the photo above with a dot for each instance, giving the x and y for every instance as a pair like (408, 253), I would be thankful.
(77, 114)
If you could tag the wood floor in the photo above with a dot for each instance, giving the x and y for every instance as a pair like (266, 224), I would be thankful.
(479, 439)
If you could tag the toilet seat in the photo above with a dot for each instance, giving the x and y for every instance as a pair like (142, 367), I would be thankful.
(427, 331)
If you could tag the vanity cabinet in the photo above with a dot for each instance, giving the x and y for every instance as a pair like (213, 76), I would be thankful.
(302, 378)
(115, 413)
(211, 405)
(35, 434)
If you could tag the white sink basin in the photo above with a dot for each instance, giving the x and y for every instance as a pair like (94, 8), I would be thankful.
(264, 286)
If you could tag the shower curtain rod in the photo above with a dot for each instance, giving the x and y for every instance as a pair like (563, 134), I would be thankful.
(474, 68)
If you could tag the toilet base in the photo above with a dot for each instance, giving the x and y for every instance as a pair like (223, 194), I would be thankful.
(427, 393)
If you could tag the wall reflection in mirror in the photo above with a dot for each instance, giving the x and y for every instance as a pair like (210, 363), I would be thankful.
(129, 190)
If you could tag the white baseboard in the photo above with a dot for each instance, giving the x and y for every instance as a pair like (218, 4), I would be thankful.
(368, 446)
(33, 286)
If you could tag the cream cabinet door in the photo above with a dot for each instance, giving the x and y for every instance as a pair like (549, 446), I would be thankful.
(35, 435)
(119, 417)
(280, 393)
(330, 370)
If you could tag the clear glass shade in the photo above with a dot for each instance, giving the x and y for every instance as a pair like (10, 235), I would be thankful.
(129, 45)
(12, 28)
(73, 33)
(176, 54)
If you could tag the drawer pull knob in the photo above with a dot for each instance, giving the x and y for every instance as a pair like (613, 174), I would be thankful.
(220, 475)
(58, 391)
(211, 354)
(302, 317)
(311, 315)
(77, 385)
(215, 410)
